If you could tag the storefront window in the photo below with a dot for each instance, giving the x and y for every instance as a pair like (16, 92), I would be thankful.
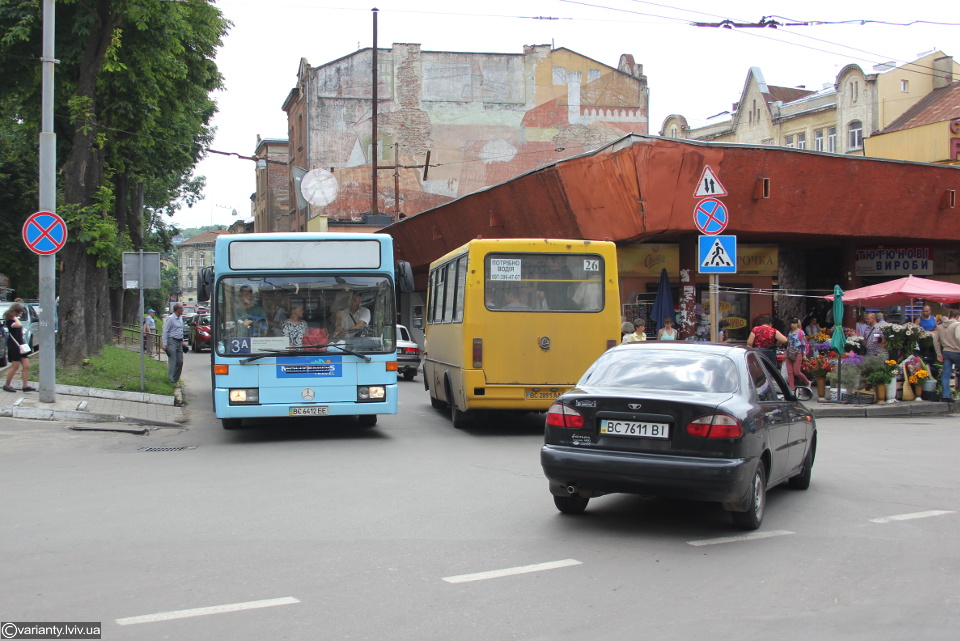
(734, 308)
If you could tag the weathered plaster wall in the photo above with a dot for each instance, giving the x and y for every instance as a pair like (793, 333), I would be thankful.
(485, 118)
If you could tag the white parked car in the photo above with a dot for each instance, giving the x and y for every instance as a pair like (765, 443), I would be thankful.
(408, 354)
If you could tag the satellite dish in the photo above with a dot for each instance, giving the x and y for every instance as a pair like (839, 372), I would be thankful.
(319, 187)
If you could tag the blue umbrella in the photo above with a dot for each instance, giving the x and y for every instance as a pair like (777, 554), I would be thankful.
(663, 304)
(838, 340)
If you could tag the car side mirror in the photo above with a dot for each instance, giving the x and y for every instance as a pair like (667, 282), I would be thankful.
(803, 393)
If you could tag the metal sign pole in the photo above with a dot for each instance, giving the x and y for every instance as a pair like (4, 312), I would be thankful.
(140, 317)
(48, 202)
(714, 307)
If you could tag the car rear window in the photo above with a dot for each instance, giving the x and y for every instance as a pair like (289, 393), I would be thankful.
(662, 369)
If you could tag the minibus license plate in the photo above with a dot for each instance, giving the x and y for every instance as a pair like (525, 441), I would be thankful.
(632, 428)
(313, 410)
(537, 395)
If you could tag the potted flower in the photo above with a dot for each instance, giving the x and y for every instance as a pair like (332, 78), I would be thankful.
(819, 366)
(901, 340)
(879, 378)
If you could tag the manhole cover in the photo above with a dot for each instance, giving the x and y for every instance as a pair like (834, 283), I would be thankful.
(165, 449)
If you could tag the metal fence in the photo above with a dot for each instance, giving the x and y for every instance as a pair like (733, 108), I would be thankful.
(128, 337)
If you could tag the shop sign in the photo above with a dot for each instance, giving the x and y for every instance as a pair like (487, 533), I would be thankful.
(894, 261)
(648, 259)
(758, 260)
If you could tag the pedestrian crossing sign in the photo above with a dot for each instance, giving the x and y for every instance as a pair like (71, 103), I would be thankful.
(717, 255)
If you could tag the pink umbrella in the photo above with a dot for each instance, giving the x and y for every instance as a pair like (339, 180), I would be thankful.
(902, 291)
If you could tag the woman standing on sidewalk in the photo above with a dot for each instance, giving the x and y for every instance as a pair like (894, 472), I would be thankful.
(17, 358)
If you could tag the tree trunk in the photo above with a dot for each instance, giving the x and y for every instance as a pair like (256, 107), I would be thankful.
(84, 296)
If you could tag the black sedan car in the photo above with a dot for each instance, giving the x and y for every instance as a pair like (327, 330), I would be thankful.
(700, 421)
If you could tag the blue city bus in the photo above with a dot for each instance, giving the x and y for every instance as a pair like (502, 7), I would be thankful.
(303, 325)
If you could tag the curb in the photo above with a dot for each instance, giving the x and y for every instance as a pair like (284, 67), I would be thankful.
(896, 410)
(54, 414)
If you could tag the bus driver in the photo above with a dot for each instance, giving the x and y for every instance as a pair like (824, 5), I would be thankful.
(352, 320)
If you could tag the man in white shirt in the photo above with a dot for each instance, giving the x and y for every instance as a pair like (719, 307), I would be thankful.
(352, 320)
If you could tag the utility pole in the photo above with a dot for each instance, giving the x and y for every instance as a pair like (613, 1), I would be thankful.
(48, 202)
(396, 167)
(374, 209)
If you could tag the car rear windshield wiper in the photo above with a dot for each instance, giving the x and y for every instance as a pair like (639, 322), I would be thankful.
(301, 351)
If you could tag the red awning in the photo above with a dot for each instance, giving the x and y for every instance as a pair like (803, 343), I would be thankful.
(902, 291)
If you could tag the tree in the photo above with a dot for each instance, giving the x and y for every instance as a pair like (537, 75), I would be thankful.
(133, 113)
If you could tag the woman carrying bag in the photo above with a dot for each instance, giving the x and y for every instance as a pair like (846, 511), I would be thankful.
(18, 351)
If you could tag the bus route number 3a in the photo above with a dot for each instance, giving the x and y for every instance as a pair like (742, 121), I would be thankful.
(591, 264)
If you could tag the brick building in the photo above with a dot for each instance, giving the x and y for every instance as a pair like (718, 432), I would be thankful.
(271, 201)
(483, 117)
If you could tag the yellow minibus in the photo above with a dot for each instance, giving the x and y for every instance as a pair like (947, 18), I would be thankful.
(513, 323)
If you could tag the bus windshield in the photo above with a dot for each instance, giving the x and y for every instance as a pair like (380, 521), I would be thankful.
(304, 313)
(543, 282)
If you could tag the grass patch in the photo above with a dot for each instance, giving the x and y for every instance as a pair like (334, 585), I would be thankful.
(115, 368)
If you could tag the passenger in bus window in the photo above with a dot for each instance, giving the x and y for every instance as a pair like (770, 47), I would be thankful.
(295, 327)
(251, 319)
(588, 295)
(513, 301)
(351, 321)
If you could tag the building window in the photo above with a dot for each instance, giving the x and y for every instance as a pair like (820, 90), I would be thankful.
(854, 91)
(855, 136)
(802, 140)
(300, 132)
(905, 86)
(559, 75)
(190, 262)
(766, 141)
(673, 131)
(832, 140)
(788, 141)
(818, 140)
(203, 258)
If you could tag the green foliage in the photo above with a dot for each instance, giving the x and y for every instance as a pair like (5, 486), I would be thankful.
(871, 364)
(117, 368)
(850, 377)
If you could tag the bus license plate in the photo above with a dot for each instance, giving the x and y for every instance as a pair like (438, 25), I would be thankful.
(538, 395)
(631, 428)
(314, 410)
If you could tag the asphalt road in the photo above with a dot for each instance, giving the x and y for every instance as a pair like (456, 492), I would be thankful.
(415, 530)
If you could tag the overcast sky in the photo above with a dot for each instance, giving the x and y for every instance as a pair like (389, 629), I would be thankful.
(695, 71)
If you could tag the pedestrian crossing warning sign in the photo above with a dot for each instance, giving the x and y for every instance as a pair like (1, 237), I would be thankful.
(717, 254)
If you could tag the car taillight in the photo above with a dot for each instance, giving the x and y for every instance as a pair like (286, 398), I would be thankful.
(560, 415)
(412, 351)
(478, 352)
(715, 426)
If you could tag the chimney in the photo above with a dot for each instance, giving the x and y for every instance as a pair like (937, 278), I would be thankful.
(942, 72)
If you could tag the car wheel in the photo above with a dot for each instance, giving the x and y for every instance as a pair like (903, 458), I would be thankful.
(230, 423)
(367, 420)
(753, 517)
(409, 374)
(802, 480)
(571, 504)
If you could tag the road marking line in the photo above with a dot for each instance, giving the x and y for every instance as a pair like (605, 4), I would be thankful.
(740, 537)
(523, 569)
(214, 609)
(908, 517)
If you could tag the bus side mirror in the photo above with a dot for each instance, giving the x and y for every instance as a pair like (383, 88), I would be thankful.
(404, 276)
(204, 284)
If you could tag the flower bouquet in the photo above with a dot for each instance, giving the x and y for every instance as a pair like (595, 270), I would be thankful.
(819, 365)
(918, 376)
(902, 339)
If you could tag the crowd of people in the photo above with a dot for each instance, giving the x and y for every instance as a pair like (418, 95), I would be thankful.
(796, 342)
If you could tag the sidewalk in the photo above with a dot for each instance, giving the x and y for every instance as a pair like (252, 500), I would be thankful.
(900, 409)
(92, 405)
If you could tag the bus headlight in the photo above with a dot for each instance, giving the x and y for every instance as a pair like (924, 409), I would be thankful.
(367, 393)
(245, 396)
